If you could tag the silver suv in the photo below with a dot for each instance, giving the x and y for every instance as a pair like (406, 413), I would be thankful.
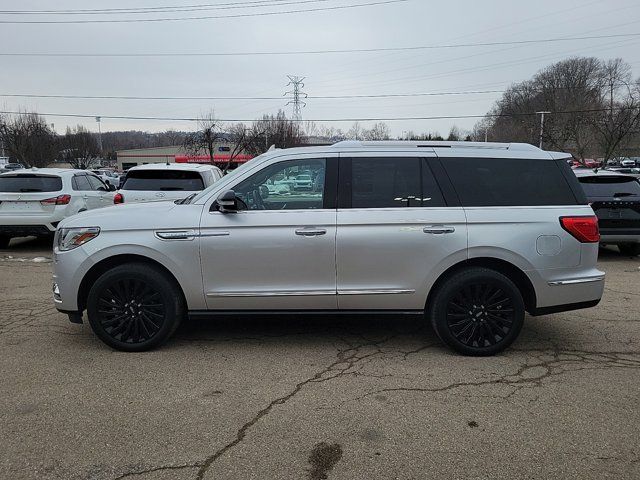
(471, 235)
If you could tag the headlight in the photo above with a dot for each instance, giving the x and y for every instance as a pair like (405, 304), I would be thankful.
(70, 238)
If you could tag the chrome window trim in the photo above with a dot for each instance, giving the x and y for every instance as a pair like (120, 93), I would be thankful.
(575, 281)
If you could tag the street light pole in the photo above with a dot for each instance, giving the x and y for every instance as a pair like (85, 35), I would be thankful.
(542, 114)
(99, 136)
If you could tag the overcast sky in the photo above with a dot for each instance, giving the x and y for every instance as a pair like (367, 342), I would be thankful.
(404, 24)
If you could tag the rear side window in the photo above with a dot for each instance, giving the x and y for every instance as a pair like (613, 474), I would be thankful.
(81, 183)
(610, 186)
(393, 182)
(29, 183)
(486, 182)
(163, 180)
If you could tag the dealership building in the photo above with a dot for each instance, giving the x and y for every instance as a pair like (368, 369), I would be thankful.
(177, 154)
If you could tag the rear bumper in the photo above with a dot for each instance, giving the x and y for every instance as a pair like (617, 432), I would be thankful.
(565, 290)
(620, 235)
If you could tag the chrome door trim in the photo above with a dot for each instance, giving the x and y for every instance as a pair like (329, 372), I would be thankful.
(377, 291)
(575, 281)
(273, 293)
(167, 235)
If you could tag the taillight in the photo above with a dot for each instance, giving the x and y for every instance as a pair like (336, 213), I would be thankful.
(584, 229)
(118, 198)
(59, 200)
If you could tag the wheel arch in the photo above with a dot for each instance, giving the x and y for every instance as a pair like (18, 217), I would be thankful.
(114, 261)
(511, 271)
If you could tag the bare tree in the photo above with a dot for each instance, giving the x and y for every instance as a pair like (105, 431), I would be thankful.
(379, 131)
(28, 139)
(79, 148)
(209, 133)
(273, 130)
(243, 140)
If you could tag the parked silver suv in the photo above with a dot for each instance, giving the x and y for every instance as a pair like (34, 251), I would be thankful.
(471, 235)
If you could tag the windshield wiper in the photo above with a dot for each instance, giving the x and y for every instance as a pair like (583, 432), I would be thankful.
(25, 190)
(624, 194)
(171, 189)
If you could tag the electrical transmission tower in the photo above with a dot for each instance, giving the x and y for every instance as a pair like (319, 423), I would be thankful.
(297, 95)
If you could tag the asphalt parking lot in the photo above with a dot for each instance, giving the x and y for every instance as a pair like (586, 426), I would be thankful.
(319, 397)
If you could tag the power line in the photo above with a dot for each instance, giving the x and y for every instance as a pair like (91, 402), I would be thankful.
(207, 17)
(318, 52)
(314, 97)
(368, 119)
(169, 9)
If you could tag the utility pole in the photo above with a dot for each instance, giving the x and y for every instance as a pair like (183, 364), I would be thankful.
(99, 136)
(542, 114)
(297, 93)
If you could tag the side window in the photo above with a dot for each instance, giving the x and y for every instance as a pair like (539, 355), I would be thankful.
(95, 182)
(81, 183)
(484, 182)
(393, 182)
(288, 185)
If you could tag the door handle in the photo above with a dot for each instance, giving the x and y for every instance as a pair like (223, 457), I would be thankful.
(310, 232)
(438, 229)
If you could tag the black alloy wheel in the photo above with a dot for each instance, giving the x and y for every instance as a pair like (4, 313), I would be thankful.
(134, 307)
(477, 311)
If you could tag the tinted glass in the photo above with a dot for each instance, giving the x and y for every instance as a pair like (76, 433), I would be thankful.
(483, 182)
(610, 186)
(95, 183)
(163, 180)
(81, 183)
(29, 183)
(280, 187)
(393, 182)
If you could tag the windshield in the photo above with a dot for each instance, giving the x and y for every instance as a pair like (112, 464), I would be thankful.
(29, 183)
(205, 193)
(610, 186)
(163, 180)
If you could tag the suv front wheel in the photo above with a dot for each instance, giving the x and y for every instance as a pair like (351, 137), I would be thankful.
(477, 311)
(135, 307)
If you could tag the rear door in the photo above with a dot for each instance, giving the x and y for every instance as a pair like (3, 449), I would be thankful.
(394, 229)
(90, 198)
(23, 193)
(103, 197)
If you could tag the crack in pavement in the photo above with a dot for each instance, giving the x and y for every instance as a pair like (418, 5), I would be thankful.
(346, 360)
(550, 368)
(157, 469)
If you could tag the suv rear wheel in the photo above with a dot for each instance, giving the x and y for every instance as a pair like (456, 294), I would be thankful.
(629, 249)
(134, 307)
(477, 311)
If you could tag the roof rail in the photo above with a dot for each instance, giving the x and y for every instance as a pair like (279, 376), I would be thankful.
(431, 144)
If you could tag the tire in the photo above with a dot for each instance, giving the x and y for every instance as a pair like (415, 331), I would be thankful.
(4, 241)
(136, 326)
(477, 311)
(629, 249)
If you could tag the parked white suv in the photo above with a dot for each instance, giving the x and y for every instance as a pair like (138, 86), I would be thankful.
(159, 181)
(33, 201)
(471, 235)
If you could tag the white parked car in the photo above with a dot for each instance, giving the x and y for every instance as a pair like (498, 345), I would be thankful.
(159, 181)
(107, 176)
(303, 182)
(33, 201)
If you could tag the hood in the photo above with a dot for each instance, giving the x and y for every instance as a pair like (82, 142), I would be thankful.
(137, 216)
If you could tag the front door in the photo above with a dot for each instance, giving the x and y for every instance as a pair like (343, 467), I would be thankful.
(394, 229)
(278, 251)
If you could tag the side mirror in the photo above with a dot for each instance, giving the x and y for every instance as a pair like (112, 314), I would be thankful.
(111, 187)
(227, 202)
